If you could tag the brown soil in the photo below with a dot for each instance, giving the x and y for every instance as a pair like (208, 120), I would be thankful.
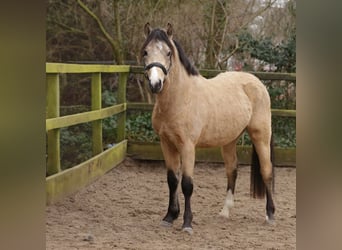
(123, 209)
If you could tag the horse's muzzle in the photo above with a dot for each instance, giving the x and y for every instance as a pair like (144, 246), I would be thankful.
(156, 87)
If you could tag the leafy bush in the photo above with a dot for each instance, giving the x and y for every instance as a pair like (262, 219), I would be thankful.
(76, 141)
(282, 55)
(139, 127)
(76, 145)
(109, 124)
(284, 131)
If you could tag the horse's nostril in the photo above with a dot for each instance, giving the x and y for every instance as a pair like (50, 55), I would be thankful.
(150, 84)
(156, 87)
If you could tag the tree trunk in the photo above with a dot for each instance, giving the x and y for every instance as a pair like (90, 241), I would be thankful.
(210, 51)
(119, 50)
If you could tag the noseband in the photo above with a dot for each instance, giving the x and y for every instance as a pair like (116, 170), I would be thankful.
(159, 65)
(156, 64)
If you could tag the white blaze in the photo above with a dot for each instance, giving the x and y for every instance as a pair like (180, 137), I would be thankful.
(154, 77)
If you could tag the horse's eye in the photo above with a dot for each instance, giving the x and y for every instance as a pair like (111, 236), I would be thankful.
(169, 53)
(145, 53)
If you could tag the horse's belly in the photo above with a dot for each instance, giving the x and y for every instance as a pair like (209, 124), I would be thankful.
(218, 139)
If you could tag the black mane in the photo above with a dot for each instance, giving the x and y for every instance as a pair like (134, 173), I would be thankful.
(185, 61)
(160, 35)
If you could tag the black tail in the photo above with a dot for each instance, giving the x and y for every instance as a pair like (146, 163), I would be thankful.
(258, 187)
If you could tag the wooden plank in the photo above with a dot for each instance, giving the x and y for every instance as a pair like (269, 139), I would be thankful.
(96, 104)
(284, 112)
(75, 119)
(285, 156)
(121, 123)
(52, 110)
(213, 72)
(152, 151)
(140, 106)
(52, 95)
(261, 75)
(275, 76)
(136, 69)
(149, 107)
(85, 68)
(70, 180)
(53, 164)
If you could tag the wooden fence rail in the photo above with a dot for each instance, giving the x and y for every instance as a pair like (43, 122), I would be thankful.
(60, 183)
(213, 72)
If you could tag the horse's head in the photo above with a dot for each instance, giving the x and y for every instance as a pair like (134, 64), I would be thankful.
(157, 53)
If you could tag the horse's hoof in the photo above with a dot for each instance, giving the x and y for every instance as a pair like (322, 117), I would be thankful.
(224, 213)
(188, 230)
(270, 221)
(164, 223)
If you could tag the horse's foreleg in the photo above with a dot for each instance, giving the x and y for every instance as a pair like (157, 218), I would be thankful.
(172, 161)
(173, 209)
(230, 162)
(188, 162)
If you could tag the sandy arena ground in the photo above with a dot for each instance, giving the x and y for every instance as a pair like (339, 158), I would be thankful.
(123, 209)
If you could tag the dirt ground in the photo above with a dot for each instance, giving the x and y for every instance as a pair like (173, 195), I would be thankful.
(123, 209)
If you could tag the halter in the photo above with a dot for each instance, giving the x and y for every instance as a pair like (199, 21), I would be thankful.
(159, 65)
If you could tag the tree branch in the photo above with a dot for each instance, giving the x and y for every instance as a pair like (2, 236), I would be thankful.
(113, 43)
(66, 27)
(258, 13)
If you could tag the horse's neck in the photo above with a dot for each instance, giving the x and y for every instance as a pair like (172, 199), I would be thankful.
(176, 90)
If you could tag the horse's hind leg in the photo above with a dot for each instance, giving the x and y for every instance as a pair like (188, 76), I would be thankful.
(262, 161)
(230, 161)
(172, 161)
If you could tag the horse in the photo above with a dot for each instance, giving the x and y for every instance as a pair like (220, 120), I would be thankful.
(191, 111)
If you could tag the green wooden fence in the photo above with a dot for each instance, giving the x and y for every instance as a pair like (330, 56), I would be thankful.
(60, 183)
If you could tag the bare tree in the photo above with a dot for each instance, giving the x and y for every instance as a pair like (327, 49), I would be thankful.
(208, 30)
(116, 43)
(227, 19)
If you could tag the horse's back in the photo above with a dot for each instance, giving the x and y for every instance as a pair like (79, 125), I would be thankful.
(233, 84)
(243, 82)
(237, 78)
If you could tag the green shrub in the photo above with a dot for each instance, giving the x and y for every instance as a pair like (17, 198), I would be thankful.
(76, 145)
(139, 127)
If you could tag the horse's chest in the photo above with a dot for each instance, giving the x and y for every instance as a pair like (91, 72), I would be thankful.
(172, 129)
(165, 127)
(164, 121)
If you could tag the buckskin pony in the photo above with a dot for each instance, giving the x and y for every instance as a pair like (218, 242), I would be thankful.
(192, 111)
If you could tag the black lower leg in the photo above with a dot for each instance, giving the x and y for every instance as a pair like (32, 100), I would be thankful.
(173, 210)
(187, 188)
(270, 209)
(231, 180)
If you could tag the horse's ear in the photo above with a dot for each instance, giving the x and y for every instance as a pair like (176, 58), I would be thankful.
(147, 29)
(169, 30)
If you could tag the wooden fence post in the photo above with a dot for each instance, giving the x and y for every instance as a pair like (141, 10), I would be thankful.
(96, 104)
(52, 111)
(121, 123)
